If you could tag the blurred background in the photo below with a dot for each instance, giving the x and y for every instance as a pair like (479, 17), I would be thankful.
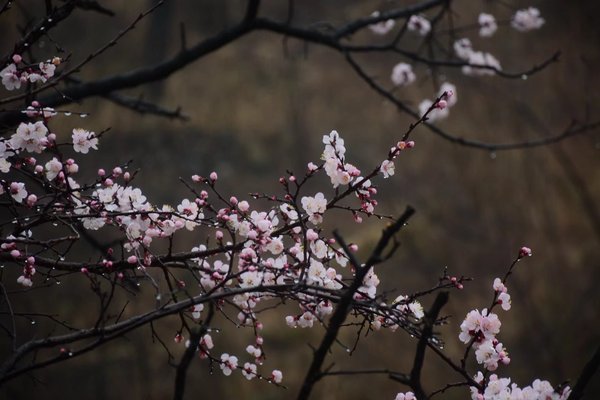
(261, 105)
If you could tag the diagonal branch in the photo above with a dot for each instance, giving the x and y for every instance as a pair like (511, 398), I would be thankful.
(586, 376)
(343, 307)
(183, 366)
(430, 318)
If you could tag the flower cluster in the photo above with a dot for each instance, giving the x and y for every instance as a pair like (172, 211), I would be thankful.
(478, 62)
(502, 389)
(19, 72)
(527, 20)
(479, 330)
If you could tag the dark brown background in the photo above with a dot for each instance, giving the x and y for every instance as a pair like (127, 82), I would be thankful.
(258, 107)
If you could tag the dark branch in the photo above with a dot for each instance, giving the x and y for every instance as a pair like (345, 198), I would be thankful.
(339, 316)
(430, 319)
(183, 366)
(586, 376)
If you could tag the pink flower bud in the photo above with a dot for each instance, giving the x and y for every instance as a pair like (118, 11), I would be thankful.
(525, 252)
(101, 172)
(108, 182)
(197, 178)
(39, 169)
(31, 200)
(117, 171)
(410, 144)
(213, 176)
(51, 137)
(127, 176)
(353, 247)
(442, 104)
(233, 200)
(15, 253)
(17, 58)
(219, 235)
(243, 205)
(132, 259)
(292, 178)
(35, 104)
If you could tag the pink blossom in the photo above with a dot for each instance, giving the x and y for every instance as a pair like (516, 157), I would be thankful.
(487, 24)
(17, 191)
(315, 207)
(243, 206)
(249, 371)
(387, 168)
(402, 74)
(228, 363)
(276, 376)
(419, 24)
(382, 27)
(30, 137)
(10, 78)
(527, 19)
(53, 167)
(84, 140)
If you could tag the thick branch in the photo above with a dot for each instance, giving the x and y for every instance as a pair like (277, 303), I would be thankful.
(430, 318)
(183, 366)
(339, 316)
(586, 376)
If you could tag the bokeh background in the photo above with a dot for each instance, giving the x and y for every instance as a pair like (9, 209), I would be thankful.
(261, 105)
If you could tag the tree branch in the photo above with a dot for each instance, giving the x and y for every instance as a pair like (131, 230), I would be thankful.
(339, 316)
(586, 376)
(183, 366)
